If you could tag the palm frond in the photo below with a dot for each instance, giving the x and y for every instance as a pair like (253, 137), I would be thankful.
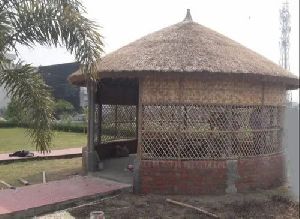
(45, 22)
(33, 97)
(56, 22)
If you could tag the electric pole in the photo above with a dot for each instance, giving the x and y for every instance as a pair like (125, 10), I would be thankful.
(284, 42)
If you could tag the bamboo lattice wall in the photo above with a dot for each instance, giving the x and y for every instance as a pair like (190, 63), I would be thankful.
(196, 119)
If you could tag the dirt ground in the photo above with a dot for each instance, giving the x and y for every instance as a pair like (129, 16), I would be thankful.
(261, 204)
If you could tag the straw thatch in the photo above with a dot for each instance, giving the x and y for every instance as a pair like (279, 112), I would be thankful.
(187, 47)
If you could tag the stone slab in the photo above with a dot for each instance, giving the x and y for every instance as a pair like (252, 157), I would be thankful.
(56, 195)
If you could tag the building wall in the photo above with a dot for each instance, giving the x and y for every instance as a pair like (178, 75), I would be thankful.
(291, 140)
(55, 77)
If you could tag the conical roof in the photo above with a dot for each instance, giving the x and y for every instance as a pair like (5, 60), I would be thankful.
(188, 47)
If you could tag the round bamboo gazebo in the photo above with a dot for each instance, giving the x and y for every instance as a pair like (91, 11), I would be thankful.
(203, 113)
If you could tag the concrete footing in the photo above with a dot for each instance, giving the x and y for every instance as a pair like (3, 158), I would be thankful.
(90, 160)
(232, 176)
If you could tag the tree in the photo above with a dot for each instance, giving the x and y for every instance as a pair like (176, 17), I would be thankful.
(44, 22)
(63, 107)
(12, 112)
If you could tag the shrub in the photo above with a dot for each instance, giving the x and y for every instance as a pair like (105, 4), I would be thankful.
(13, 113)
(70, 127)
(62, 107)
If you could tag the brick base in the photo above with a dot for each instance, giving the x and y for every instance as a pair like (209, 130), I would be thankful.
(261, 172)
(208, 176)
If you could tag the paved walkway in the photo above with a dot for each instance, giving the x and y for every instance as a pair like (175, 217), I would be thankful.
(69, 152)
(38, 199)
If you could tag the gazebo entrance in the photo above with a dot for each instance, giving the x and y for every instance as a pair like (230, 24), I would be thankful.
(116, 101)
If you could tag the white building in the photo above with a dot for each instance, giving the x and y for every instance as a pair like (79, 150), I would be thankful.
(83, 97)
(4, 99)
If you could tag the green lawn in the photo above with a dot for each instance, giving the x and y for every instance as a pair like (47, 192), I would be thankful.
(14, 139)
(32, 170)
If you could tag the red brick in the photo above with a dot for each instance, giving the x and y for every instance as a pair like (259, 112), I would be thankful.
(261, 172)
(209, 176)
(183, 177)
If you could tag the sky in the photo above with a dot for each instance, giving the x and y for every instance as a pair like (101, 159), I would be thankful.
(253, 23)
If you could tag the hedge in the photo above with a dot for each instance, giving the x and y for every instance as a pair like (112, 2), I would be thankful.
(4, 124)
(78, 128)
(72, 127)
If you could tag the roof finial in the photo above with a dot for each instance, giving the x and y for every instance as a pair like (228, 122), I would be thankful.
(188, 16)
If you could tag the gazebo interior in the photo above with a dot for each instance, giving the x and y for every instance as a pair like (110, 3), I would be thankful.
(116, 117)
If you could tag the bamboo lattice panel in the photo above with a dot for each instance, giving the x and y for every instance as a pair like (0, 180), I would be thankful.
(118, 122)
(210, 132)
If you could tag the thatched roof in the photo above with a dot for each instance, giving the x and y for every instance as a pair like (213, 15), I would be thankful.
(187, 47)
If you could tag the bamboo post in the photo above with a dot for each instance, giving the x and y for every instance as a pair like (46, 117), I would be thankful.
(200, 210)
(97, 215)
(7, 185)
(230, 143)
(44, 177)
(91, 116)
(182, 118)
(139, 120)
(99, 121)
(116, 121)
(25, 182)
(91, 155)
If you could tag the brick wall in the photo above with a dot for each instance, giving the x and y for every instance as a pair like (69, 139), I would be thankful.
(208, 176)
(261, 172)
(182, 177)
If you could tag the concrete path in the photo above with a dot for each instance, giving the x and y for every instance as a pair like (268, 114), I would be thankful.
(69, 152)
(116, 169)
(39, 199)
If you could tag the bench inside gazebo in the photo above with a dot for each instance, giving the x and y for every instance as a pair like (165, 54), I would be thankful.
(115, 128)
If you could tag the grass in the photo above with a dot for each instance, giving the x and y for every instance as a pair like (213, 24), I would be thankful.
(32, 170)
(14, 139)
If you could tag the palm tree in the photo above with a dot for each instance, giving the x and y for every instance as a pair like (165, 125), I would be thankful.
(44, 22)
